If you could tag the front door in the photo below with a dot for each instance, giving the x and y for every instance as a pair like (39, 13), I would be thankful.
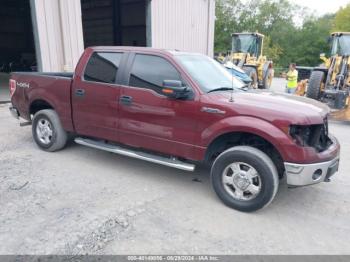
(150, 120)
(95, 97)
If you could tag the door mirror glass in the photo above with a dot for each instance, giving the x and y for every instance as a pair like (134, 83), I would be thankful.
(175, 89)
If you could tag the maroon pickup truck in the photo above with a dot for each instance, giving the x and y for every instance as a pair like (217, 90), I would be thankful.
(181, 109)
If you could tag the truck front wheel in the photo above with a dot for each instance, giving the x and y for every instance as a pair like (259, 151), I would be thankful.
(244, 178)
(47, 130)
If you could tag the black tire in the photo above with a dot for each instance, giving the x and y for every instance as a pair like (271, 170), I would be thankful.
(253, 74)
(268, 177)
(314, 88)
(59, 136)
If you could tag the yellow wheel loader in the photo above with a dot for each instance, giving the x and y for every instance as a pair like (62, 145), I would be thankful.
(330, 83)
(247, 49)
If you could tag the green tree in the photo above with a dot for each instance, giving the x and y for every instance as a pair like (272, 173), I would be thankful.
(312, 40)
(342, 20)
(226, 22)
(272, 51)
(292, 34)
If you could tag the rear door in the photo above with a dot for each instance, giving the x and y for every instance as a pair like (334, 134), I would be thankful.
(150, 120)
(95, 96)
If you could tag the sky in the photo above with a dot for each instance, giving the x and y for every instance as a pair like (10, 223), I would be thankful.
(322, 6)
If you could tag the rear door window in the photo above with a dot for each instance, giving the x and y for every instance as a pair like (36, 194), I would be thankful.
(149, 71)
(103, 67)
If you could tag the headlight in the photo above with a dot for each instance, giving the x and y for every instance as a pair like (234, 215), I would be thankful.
(315, 136)
(300, 134)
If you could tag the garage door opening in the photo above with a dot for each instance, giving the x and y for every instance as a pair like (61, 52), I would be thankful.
(17, 50)
(115, 22)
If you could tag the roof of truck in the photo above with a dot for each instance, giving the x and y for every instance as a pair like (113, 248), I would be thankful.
(139, 49)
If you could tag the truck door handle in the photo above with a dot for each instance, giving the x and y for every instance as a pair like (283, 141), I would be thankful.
(79, 92)
(126, 100)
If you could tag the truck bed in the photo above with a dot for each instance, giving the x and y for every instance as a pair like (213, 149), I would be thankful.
(31, 87)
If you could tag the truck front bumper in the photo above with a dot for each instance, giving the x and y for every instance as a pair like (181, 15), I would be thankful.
(308, 174)
(14, 112)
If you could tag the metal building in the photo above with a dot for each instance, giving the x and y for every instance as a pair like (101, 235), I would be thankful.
(61, 29)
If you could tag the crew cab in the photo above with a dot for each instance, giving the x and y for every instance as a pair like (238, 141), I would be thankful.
(181, 109)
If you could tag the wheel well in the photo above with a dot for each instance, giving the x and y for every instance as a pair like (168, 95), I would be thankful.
(320, 69)
(323, 69)
(38, 105)
(226, 141)
(250, 66)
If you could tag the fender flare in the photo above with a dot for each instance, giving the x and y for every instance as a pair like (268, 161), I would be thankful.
(322, 69)
(243, 124)
(252, 66)
(50, 98)
(40, 96)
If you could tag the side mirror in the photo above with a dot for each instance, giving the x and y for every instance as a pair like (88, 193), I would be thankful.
(175, 89)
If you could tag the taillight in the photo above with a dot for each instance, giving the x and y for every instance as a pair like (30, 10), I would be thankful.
(12, 86)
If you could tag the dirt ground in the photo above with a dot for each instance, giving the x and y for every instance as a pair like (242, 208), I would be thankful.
(81, 200)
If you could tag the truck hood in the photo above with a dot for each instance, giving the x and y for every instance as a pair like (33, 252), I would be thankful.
(274, 107)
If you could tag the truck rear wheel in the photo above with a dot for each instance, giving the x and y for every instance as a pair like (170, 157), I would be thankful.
(315, 83)
(47, 130)
(244, 178)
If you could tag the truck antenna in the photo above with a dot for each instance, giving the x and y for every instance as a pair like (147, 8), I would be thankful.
(232, 84)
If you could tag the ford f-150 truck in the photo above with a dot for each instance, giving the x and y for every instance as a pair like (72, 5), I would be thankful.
(181, 109)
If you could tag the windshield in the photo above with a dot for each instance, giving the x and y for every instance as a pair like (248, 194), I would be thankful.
(246, 44)
(208, 73)
(341, 45)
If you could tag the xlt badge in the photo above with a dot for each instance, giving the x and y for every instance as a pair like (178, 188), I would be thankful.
(23, 84)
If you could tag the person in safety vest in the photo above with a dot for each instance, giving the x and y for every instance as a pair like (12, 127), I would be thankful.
(292, 79)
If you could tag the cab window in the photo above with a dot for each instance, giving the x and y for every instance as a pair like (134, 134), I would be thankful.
(149, 71)
(102, 67)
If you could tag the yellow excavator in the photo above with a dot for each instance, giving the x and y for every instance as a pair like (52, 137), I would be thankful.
(330, 83)
(247, 53)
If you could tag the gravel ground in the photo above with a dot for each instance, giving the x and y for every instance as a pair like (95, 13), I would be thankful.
(82, 200)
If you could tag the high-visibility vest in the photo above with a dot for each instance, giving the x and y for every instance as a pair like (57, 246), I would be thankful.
(292, 79)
